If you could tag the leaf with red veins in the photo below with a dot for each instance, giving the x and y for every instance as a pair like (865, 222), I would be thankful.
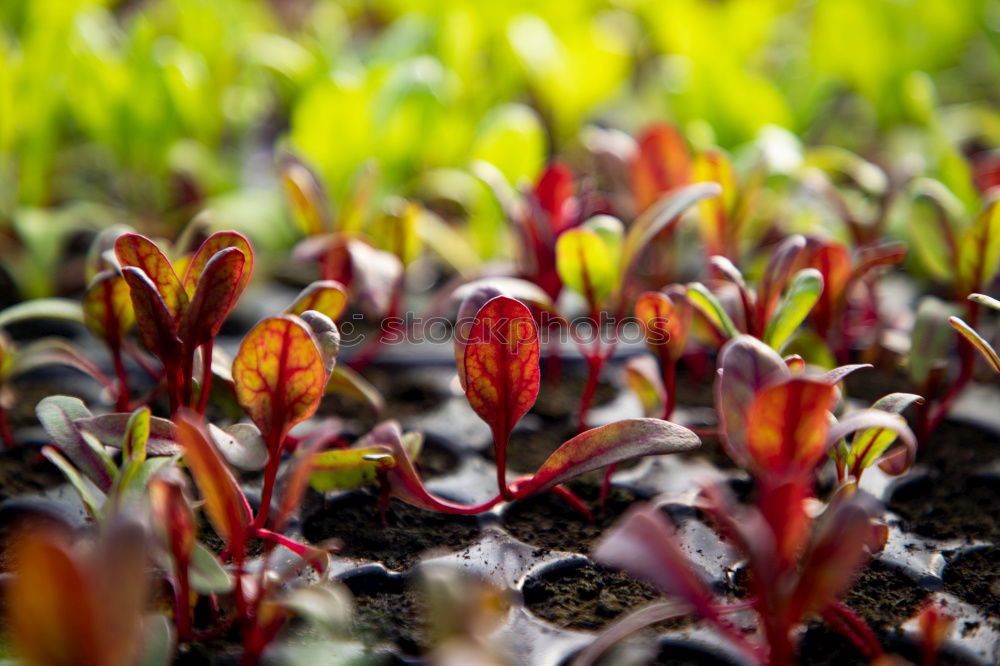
(787, 426)
(157, 326)
(746, 365)
(328, 297)
(107, 307)
(663, 163)
(213, 298)
(556, 195)
(609, 445)
(214, 244)
(141, 253)
(501, 365)
(225, 504)
(279, 375)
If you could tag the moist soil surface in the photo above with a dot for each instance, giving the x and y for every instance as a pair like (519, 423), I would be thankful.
(559, 397)
(23, 470)
(955, 499)
(389, 611)
(586, 597)
(974, 577)
(550, 523)
(410, 532)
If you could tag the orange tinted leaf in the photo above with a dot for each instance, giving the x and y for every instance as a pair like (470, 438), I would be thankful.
(213, 297)
(305, 196)
(173, 514)
(157, 327)
(501, 365)
(787, 426)
(214, 244)
(328, 297)
(279, 375)
(661, 164)
(666, 323)
(713, 166)
(224, 502)
(107, 307)
(608, 445)
(51, 607)
(833, 261)
(142, 253)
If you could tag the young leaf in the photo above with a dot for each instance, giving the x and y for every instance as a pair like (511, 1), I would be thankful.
(59, 309)
(979, 250)
(107, 307)
(224, 501)
(501, 367)
(217, 242)
(714, 166)
(371, 275)
(931, 338)
(984, 347)
(787, 425)
(157, 326)
(347, 382)
(213, 298)
(92, 499)
(654, 219)
(327, 297)
(140, 253)
(306, 197)
(241, 444)
(746, 365)
(279, 375)
(661, 164)
(833, 262)
(608, 445)
(666, 322)
(709, 306)
(779, 269)
(111, 430)
(343, 469)
(556, 195)
(58, 414)
(878, 428)
(643, 376)
(586, 265)
(802, 295)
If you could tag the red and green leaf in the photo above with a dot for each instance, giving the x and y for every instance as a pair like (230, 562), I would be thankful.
(225, 504)
(666, 322)
(214, 297)
(214, 244)
(787, 426)
(501, 366)
(157, 326)
(279, 376)
(327, 297)
(661, 164)
(138, 252)
(107, 307)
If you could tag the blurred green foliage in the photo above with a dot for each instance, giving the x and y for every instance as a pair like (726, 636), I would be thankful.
(156, 108)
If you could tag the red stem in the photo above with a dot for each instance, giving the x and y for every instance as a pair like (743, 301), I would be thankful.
(206, 375)
(668, 369)
(182, 599)
(500, 443)
(5, 431)
(122, 399)
(270, 476)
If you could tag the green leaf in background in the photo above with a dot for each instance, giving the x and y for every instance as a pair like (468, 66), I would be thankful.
(587, 258)
(798, 301)
(930, 339)
(709, 306)
(512, 139)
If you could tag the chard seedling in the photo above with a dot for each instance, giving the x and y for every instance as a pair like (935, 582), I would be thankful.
(777, 424)
(178, 316)
(370, 270)
(280, 374)
(967, 259)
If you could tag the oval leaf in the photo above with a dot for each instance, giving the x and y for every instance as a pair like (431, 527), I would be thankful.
(279, 375)
(501, 364)
(327, 297)
(110, 430)
(802, 295)
(214, 244)
(157, 326)
(214, 296)
(611, 444)
(586, 265)
(107, 307)
(136, 251)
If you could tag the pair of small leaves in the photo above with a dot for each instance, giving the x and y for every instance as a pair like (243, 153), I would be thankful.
(174, 312)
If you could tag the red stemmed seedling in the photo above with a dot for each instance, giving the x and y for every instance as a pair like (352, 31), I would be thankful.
(777, 423)
(178, 316)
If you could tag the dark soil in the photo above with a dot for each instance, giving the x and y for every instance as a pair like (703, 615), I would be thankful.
(696, 390)
(955, 500)
(354, 520)
(946, 507)
(435, 459)
(211, 539)
(585, 596)
(405, 397)
(23, 470)
(389, 611)
(559, 397)
(885, 597)
(528, 449)
(974, 577)
(550, 523)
